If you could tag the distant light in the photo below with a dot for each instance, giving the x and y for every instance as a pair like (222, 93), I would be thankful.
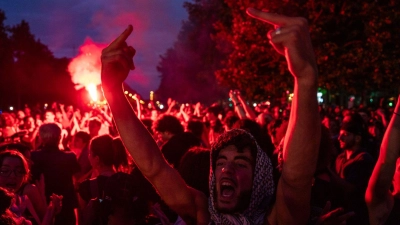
(45, 104)
(268, 102)
(290, 96)
(151, 95)
(126, 92)
(229, 99)
(130, 95)
(230, 104)
(320, 99)
(254, 104)
(11, 108)
(161, 106)
(141, 102)
(371, 100)
(390, 104)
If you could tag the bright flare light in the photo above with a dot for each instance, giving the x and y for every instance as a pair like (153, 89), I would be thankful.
(92, 89)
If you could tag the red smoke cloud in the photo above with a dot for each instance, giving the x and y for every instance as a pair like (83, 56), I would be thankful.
(86, 66)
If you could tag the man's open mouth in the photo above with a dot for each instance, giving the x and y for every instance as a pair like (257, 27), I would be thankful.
(227, 189)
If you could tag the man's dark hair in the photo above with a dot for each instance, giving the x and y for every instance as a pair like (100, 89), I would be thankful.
(237, 137)
(196, 127)
(84, 136)
(231, 120)
(168, 123)
(263, 140)
(95, 120)
(216, 109)
(355, 124)
(102, 146)
(195, 168)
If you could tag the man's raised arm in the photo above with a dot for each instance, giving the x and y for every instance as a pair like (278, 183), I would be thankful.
(378, 197)
(291, 38)
(117, 61)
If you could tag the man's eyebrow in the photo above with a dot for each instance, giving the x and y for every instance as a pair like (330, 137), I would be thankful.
(244, 158)
(221, 157)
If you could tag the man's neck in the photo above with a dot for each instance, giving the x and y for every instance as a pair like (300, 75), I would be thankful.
(349, 152)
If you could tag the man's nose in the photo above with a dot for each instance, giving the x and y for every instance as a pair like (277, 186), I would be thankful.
(228, 168)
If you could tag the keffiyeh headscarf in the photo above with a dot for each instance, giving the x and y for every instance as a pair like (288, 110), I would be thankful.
(262, 190)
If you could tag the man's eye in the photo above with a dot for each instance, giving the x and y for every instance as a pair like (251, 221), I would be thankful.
(219, 163)
(242, 165)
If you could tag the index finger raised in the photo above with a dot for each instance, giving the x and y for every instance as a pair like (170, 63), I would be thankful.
(271, 18)
(122, 38)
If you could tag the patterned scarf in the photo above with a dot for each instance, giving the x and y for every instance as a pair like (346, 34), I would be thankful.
(262, 193)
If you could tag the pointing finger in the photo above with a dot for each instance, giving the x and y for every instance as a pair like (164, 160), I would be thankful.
(120, 40)
(271, 18)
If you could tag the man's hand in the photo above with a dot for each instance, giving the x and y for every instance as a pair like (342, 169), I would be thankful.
(116, 61)
(334, 217)
(290, 38)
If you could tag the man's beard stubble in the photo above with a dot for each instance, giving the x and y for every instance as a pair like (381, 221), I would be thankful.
(242, 204)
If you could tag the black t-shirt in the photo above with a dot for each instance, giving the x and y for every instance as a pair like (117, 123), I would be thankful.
(93, 188)
(58, 167)
(177, 146)
(394, 216)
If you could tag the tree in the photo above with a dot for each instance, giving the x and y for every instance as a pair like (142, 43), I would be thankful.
(30, 73)
(356, 44)
(6, 61)
(187, 69)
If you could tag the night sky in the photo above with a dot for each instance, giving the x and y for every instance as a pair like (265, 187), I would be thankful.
(65, 25)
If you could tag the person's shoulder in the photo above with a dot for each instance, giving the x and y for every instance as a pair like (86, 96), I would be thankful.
(187, 138)
(341, 156)
(364, 156)
(36, 153)
(69, 154)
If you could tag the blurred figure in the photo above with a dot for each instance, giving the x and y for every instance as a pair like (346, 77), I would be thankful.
(94, 127)
(80, 146)
(175, 141)
(58, 168)
(14, 175)
(354, 165)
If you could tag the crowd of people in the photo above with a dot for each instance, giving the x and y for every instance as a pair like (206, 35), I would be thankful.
(196, 164)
